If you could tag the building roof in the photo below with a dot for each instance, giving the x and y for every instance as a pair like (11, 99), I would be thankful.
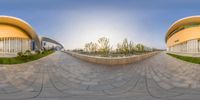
(179, 23)
(50, 40)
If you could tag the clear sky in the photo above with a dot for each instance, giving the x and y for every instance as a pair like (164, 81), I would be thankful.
(75, 22)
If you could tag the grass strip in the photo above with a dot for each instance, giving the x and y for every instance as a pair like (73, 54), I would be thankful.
(195, 60)
(24, 59)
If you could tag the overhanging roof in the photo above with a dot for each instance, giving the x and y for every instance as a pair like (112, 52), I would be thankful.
(183, 21)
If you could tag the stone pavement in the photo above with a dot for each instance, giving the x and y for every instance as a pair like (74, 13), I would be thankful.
(60, 76)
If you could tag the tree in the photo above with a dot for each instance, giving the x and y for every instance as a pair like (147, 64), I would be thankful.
(131, 47)
(94, 47)
(125, 46)
(119, 48)
(87, 47)
(140, 47)
(104, 46)
(91, 47)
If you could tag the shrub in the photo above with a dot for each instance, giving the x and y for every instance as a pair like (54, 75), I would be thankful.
(43, 52)
(37, 51)
(27, 52)
(20, 54)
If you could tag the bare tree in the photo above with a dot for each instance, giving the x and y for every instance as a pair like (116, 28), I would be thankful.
(91, 47)
(119, 48)
(140, 47)
(125, 46)
(94, 47)
(86, 47)
(131, 47)
(104, 46)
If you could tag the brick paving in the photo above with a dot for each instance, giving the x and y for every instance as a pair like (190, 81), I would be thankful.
(60, 76)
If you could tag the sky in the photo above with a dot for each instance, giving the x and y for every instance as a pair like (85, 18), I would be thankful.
(76, 22)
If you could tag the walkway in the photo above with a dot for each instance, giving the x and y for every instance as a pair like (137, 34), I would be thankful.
(63, 77)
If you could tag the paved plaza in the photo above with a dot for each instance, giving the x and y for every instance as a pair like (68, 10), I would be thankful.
(60, 76)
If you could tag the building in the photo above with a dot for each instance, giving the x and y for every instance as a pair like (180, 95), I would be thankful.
(48, 43)
(17, 35)
(184, 35)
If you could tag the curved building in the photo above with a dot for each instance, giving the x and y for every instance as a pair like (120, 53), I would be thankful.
(17, 35)
(48, 43)
(184, 35)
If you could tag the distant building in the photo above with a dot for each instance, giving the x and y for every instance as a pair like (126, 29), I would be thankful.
(48, 44)
(184, 35)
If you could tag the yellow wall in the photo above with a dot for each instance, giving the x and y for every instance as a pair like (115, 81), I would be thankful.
(184, 35)
(11, 31)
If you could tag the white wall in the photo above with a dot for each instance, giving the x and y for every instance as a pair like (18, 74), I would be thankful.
(191, 46)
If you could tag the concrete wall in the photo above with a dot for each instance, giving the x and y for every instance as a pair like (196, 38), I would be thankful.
(114, 60)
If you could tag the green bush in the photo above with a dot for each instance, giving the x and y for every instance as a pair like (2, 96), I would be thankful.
(37, 51)
(20, 54)
(27, 52)
(43, 52)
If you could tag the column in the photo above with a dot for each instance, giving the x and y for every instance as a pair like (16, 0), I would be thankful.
(3, 44)
(20, 44)
(14, 44)
(199, 45)
(11, 45)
